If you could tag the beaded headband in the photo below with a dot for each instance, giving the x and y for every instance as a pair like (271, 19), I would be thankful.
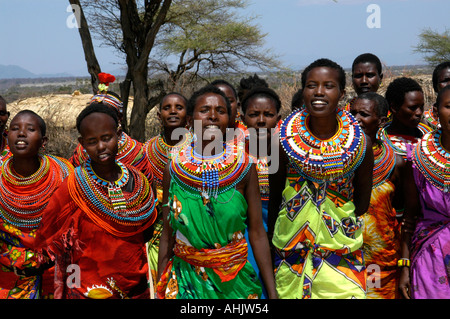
(103, 96)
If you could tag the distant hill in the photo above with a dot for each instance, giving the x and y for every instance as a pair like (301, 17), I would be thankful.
(17, 72)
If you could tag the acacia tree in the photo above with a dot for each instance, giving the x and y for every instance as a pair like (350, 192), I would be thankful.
(204, 36)
(133, 26)
(208, 36)
(434, 46)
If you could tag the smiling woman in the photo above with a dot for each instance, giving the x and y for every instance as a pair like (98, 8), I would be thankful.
(28, 179)
(158, 151)
(319, 193)
(206, 192)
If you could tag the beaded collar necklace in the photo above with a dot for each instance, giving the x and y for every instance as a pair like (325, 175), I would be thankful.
(385, 160)
(431, 119)
(158, 152)
(126, 145)
(115, 194)
(23, 199)
(323, 160)
(398, 143)
(105, 203)
(209, 176)
(433, 161)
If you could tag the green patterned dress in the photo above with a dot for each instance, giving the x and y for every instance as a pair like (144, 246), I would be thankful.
(209, 227)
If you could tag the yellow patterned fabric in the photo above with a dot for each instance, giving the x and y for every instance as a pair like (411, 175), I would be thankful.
(381, 233)
(318, 239)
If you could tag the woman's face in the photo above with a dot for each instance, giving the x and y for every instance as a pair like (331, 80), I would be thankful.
(365, 78)
(211, 111)
(24, 136)
(229, 93)
(261, 113)
(365, 113)
(99, 138)
(443, 79)
(444, 112)
(4, 116)
(411, 111)
(173, 111)
(321, 93)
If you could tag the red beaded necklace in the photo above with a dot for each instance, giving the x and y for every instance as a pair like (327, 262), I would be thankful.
(384, 163)
(23, 199)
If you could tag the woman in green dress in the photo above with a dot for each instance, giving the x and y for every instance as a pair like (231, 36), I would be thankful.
(206, 187)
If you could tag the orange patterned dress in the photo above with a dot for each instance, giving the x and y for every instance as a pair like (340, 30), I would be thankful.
(381, 230)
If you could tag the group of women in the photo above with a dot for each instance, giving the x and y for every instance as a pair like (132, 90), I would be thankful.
(330, 202)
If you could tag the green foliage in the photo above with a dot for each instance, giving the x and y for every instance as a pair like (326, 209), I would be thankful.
(209, 36)
(434, 46)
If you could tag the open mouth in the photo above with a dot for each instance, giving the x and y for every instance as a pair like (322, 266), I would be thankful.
(318, 103)
(212, 127)
(21, 144)
(103, 157)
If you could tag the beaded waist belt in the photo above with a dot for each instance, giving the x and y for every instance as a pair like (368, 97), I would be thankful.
(225, 261)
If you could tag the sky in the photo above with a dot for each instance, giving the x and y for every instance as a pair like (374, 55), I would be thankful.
(39, 35)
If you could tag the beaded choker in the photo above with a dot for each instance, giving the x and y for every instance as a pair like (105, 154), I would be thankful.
(209, 176)
(384, 163)
(121, 214)
(433, 161)
(23, 199)
(323, 160)
(159, 153)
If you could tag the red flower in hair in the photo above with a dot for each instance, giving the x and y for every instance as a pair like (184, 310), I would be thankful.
(106, 78)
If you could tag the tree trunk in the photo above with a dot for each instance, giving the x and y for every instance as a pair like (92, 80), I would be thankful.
(138, 40)
(125, 86)
(139, 112)
(88, 48)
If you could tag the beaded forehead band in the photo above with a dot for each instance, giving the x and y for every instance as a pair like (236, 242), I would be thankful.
(103, 96)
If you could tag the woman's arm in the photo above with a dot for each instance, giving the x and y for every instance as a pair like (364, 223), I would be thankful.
(362, 183)
(412, 208)
(277, 181)
(167, 240)
(257, 234)
(397, 178)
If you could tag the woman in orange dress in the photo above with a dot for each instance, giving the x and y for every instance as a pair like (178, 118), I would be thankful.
(381, 232)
